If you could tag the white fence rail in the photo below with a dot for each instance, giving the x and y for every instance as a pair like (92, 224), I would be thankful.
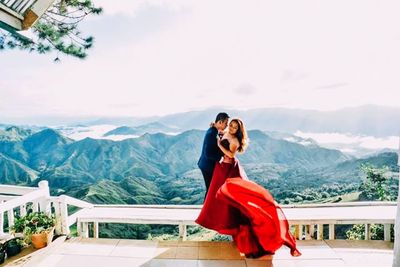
(36, 196)
(308, 220)
(19, 198)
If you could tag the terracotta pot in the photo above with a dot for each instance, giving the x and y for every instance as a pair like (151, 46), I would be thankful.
(43, 239)
(39, 240)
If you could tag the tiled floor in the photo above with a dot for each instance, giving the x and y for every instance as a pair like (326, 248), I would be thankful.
(120, 253)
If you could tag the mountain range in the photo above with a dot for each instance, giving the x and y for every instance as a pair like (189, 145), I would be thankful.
(161, 168)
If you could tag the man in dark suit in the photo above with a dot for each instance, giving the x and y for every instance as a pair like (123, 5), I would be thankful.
(211, 153)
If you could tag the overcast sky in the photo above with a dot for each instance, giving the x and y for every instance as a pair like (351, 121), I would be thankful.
(161, 57)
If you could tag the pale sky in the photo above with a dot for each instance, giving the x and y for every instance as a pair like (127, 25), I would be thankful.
(161, 57)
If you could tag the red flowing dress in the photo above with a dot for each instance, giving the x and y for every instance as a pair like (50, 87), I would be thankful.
(245, 210)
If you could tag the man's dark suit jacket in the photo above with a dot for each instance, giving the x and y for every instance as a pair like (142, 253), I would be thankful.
(210, 153)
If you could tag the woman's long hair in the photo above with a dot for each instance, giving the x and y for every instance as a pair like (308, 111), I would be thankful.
(241, 135)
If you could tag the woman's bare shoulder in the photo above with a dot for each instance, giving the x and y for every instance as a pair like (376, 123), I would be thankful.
(234, 141)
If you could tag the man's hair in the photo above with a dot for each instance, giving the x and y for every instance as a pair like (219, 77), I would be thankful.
(221, 116)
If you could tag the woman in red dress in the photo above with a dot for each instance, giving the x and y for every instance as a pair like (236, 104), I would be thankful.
(238, 207)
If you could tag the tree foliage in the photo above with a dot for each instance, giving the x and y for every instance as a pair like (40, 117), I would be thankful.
(57, 30)
(375, 186)
(376, 232)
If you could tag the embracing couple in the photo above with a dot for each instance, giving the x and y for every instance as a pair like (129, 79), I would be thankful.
(233, 205)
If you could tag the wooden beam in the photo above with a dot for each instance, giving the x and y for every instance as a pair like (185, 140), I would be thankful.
(11, 11)
(33, 14)
(10, 18)
(29, 19)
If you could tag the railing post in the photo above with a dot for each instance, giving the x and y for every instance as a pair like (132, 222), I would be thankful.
(386, 232)
(297, 231)
(64, 215)
(331, 231)
(78, 227)
(82, 228)
(367, 231)
(300, 232)
(320, 231)
(306, 232)
(44, 202)
(85, 229)
(57, 212)
(35, 206)
(22, 210)
(182, 232)
(10, 215)
(95, 229)
(311, 231)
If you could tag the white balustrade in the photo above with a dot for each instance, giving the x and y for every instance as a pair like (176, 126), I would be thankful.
(305, 218)
(18, 197)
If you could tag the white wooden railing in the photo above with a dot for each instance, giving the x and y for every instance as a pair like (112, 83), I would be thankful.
(16, 199)
(13, 198)
(63, 219)
(307, 219)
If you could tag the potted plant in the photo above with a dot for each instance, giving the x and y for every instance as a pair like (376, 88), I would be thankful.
(38, 228)
(19, 226)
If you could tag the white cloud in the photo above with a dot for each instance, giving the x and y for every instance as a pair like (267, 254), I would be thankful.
(337, 139)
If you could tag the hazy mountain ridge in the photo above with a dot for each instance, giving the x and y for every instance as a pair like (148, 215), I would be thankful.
(14, 133)
(364, 120)
(367, 120)
(154, 127)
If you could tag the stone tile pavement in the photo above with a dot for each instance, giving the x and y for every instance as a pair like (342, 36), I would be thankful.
(88, 252)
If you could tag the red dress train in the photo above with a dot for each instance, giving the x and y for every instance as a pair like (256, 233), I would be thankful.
(247, 211)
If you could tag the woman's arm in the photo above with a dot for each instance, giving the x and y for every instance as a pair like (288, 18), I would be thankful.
(232, 149)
